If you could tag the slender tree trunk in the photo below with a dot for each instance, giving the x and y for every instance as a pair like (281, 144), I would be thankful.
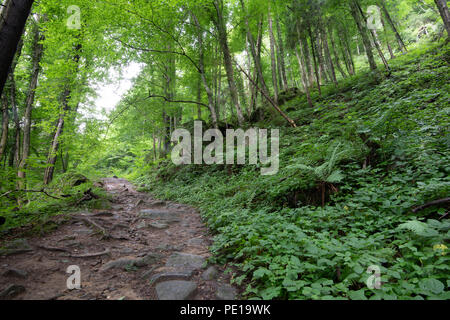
(400, 42)
(5, 124)
(15, 150)
(320, 57)
(228, 61)
(307, 58)
(241, 90)
(15, 15)
(208, 90)
(443, 10)
(281, 57)
(303, 72)
(335, 54)
(52, 156)
(199, 96)
(328, 54)
(388, 44)
(56, 141)
(256, 58)
(15, 154)
(362, 27)
(273, 58)
(252, 49)
(301, 61)
(375, 39)
(250, 84)
(316, 69)
(347, 48)
(37, 55)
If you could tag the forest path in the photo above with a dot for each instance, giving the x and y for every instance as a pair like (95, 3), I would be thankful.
(140, 249)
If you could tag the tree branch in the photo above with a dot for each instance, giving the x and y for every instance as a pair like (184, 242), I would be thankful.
(178, 101)
(34, 191)
(430, 204)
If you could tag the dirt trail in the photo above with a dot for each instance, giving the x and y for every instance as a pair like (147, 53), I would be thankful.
(140, 249)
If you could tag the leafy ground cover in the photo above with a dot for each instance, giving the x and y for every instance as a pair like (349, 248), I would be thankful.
(370, 151)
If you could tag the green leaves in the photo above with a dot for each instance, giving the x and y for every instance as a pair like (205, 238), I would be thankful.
(260, 273)
(431, 285)
(419, 228)
(286, 247)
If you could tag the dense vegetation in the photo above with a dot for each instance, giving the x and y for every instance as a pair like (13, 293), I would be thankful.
(275, 231)
(363, 114)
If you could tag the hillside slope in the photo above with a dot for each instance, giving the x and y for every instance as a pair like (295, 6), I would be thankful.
(370, 151)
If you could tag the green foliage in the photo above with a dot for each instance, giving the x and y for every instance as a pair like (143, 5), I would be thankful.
(68, 188)
(288, 249)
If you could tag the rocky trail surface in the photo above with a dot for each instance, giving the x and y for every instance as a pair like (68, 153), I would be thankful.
(141, 249)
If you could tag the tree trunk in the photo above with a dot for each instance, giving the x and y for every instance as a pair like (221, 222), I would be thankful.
(281, 57)
(335, 54)
(316, 69)
(401, 44)
(375, 39)
(37, 55)
(348, 50)
(256, 58)
(251, 87)
(208, 90)
(12, 25)
(272, 58)
(228, 61)
(388, 44)
(328, 54)
(362, 28)
(301, 62)
(52, 156)
(53, 153)
(15, 150)
(320, 57)
(5, 123)
(199, 97)
(443, 10)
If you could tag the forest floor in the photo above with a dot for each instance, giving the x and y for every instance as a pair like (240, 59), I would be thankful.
(140, 249)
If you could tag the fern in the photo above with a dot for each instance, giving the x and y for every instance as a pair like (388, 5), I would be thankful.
(419, 228)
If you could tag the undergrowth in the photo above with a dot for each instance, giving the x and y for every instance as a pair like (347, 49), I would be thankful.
(371, 150)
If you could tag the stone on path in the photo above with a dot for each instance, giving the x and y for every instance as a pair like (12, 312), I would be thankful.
(166, 276)
(164, 216)
(123, 263)
(12, 291)
(16, 247)
(226, 292)
(176, 290)
(158, 225)
(169, 247)
(185, 261)
(210, 274)
(196, 242)
(15, 273)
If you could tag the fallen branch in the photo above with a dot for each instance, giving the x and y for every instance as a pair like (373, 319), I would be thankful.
(35, 191)
(430, 204)
(95, 224)
(273, 103)
(88, 195)
(6, 193)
